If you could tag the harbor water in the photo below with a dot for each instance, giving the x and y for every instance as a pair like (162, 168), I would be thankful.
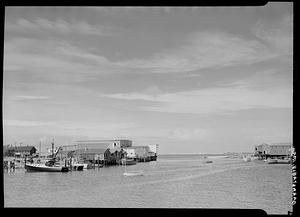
(175, 181)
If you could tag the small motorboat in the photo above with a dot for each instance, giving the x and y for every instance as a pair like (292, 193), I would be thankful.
(78, 166)
(127, 161)
(272, 161)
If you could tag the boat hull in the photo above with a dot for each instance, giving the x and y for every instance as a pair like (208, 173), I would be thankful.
(128, 162)
(78, 167)
(284, 161)
(138, 173)
(272, 161)
(44, 168)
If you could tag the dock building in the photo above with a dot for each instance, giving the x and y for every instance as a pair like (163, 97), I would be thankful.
(142, 153)
(19, 151)
(107, 152)
(274, 150)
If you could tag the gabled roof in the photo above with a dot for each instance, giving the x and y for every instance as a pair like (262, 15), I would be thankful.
(21, 148)
(93, 151)
(112, 150)
(282, 143)
(98, 145)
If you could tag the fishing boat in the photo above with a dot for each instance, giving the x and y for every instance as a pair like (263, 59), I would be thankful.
(50, 166)
(45, 168)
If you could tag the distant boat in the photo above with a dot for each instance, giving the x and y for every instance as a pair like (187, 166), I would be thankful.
(208, 161)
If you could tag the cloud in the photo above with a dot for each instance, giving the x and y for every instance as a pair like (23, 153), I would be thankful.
(53, 61)
(201, 50)
(25, 123)
(60, 26)
(212, 100)
(188, 134)
(28, 97)
(278, 37)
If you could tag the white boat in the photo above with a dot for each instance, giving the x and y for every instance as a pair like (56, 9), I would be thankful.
(284, 161)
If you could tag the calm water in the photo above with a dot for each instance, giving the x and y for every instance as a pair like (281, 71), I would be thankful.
(170, 182)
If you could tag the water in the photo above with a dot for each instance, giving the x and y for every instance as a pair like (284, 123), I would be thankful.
(169, 182)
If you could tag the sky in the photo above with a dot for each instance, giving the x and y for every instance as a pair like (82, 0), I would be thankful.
(190, 79)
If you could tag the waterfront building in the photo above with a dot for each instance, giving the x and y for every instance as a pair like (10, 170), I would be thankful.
(19, 151)
(153, 152)
(141, 153)
(101, 151)
(274, 150)
(94, 155)
(122, 143)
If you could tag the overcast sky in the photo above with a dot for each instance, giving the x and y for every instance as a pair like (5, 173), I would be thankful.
(193, 80)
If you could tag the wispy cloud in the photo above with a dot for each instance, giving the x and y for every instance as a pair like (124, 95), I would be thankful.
(63, 61)
(28, 97)
(188, 134)
(53, 60)
(25, 123)
(58, 26)
(209, 49)
(278, 37)
(213, 100)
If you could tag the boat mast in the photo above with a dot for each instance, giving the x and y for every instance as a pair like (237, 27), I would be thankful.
(53, 148)
(125, 161)
(40, 150)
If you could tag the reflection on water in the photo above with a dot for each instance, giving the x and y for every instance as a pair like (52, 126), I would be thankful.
(171, 182)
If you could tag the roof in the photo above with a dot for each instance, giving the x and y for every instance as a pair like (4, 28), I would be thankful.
(95, 145)
(101, 140)
(112, 150)
(281, 144)
(135, 147)
(93, 151)
(21, 148)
